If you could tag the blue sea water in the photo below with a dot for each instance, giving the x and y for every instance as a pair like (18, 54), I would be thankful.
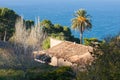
(105, 16)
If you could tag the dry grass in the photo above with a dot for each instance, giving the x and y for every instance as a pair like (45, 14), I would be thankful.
(21, 45)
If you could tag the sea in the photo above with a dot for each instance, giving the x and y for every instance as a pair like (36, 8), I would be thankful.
(105, 16)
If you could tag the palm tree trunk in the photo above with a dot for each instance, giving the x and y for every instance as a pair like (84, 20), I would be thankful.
(81, 34)
(81, 38)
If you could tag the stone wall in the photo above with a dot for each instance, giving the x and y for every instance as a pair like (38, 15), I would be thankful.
(62, 62)
(54, 61)
(59, 62)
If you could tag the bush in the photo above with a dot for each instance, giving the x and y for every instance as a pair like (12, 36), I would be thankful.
(107, 62)
(46, 43)
(92, 41)
(10, 74)
(62, 73)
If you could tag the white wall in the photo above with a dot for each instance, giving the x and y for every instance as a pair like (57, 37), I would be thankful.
(59, 62)
(54, 42)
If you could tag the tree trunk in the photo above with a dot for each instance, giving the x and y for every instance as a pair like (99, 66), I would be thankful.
(5, 36)
(81, 38)
(81, 35)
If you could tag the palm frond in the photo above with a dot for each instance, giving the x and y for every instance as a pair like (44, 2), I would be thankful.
(81, 21)
(88, 24)
(81, 12)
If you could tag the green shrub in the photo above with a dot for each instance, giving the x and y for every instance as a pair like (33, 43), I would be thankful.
(92, 41)
(62, 73)
(10, 74)
(46, 43)
(107, 62)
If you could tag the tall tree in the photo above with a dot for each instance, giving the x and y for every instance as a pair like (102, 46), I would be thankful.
(81, 22)
(7, 22)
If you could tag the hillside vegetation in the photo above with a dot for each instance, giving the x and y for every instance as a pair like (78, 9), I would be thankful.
(107, 61)
(16, 58)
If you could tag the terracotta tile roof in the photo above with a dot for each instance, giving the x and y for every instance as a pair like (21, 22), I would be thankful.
(70, 51)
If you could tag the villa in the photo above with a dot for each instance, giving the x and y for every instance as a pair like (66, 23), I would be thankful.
(65, 53)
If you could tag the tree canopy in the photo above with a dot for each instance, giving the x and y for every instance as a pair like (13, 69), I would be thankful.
(57, 30)
(7, 22)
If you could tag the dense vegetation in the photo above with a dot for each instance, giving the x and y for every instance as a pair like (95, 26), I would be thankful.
(56, 30)
(16, 58)
(94, 42)
(107, 61)
(7, 22)
(61, 73)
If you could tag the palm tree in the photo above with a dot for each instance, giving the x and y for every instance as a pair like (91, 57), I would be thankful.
(81, 22)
